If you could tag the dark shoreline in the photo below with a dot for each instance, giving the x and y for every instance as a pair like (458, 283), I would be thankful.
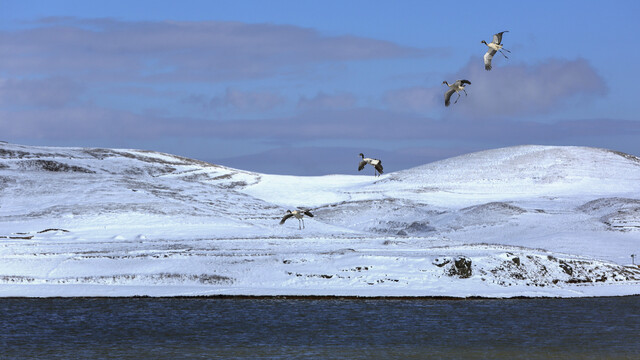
(317, 297)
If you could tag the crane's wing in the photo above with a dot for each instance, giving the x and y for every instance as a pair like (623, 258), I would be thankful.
(465, 81)
(361, 165)
(487, 59)
(379, 166)
(308, 213)
(447, 97)
(285, 218)
(497, 38)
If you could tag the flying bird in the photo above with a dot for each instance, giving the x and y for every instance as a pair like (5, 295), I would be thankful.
(377, 164)
(455, 88)
(298, 214)
(494, 46)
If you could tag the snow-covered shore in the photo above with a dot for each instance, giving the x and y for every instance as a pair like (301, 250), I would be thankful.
(520, 221)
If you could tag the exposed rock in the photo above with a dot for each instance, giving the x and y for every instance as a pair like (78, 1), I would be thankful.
(54, 166)
(419, 227)
(47, 230)
(441, 262)
(566, 267)
(461, 268)
(495, 207)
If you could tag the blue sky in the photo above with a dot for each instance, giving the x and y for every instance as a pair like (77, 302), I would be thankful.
(302, 87)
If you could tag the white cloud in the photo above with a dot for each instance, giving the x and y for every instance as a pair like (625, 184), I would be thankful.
(520, 89)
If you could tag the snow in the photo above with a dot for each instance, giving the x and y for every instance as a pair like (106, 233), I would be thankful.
(542, 221)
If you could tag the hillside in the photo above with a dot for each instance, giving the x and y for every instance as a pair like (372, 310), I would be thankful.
(526, 220)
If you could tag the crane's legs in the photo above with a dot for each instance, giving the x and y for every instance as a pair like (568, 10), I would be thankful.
(458, 98)
(505, 56)
(465, 92)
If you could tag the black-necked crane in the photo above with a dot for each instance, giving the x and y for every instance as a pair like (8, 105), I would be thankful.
(494, 46)
(298, 214)
(456, 87)
(376, 163)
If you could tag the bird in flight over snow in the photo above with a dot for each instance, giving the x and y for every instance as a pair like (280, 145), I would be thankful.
(494, 46)
(298, 214)
(455, 88)
(376, 163)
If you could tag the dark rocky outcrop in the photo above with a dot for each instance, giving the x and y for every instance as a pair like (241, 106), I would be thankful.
(461, 268)
(54, 166)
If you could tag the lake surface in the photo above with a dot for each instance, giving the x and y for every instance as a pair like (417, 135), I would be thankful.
(227, 328)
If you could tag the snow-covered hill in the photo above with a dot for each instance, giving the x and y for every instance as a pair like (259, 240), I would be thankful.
(526, 220)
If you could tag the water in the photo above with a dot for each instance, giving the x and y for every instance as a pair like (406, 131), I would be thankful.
(170, 328)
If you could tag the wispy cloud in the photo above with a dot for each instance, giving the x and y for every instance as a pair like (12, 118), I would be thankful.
(78, 123)
(186, 51)
(242, 101)
(324, 101)
(88, 122)
(47, 92)
(414, 99)
(508, 90)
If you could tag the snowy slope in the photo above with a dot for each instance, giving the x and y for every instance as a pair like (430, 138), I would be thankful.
(530, 170)
(527, 220)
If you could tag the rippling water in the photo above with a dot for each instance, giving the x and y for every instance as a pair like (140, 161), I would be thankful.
(319, 328)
